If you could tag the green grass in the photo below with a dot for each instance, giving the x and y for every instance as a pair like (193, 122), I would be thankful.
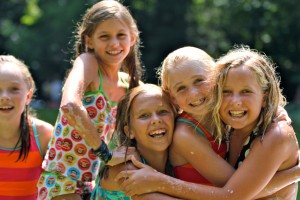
(47, 114)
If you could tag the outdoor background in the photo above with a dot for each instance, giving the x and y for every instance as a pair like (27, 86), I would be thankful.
(40, 32)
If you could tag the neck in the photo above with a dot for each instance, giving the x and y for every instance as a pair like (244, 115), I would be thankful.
(156, 160)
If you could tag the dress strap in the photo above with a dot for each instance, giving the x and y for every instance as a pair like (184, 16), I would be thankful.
(184, 117)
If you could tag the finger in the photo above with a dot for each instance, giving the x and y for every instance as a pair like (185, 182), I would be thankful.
(137, 163)
(122, 175)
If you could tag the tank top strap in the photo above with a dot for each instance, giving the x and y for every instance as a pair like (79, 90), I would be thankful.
(184, 117)
(36, 136)
(101, 79)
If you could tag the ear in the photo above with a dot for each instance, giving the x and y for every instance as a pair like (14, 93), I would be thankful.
(126, 130)
(132, 40)
(89, 42)
(29, 96)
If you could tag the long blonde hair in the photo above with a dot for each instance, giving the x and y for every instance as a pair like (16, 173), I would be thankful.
(264, 69)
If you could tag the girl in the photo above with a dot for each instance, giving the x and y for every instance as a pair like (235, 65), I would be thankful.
(108, 39)
(145, 119)
(186, 75)
(23, 138)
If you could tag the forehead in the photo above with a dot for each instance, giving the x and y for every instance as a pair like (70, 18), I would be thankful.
(242, 74)
(111, 24)
(147, 98)
(8, 71)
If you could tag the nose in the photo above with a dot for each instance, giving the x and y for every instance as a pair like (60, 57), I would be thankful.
(114, 42)
(155, 119)
(236, 100)
(194, 91)
(4, 96)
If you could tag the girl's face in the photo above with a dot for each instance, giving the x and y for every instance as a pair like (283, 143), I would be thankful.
(111, 41)
(14, 94)
(152, 122)
(189, 87)
(243, 99)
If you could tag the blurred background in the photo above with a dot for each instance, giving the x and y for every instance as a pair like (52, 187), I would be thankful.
(40, 33)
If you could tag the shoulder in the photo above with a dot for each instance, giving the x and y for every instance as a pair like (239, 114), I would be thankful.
(86, 60)
(44, 130)
(43, 127)
(280, 135)
(186, 135)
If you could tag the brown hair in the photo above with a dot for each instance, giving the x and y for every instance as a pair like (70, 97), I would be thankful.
(100, 12)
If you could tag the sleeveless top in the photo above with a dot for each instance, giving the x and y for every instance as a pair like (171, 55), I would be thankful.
(120, 195)
(187, 172)
(68, 153)
(18, 179)
(245, 150)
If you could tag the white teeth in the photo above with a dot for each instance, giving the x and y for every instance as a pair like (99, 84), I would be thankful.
(237, 113)
(5, 107)
(197, 103)
(158, 132)
(114, 52)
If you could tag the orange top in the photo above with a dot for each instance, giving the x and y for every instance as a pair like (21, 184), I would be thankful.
(18, 179)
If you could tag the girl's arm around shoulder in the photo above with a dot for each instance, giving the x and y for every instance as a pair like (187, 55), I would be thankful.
(191, 147)
(81, 77)
(45, 131)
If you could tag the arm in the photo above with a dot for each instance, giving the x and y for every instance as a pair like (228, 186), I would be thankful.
(165, 184)
(190, 147)
(109, 182)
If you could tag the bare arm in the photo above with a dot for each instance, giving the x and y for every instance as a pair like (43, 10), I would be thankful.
(163, 183)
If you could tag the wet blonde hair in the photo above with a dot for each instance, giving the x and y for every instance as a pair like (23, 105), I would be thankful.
(24, 138)
(175, 58)
(104, 10)
(267, 78)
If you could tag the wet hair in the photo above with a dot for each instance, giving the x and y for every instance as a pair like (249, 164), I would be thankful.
(177, 57)
(264, 69)
(24, 138)
(99, 12)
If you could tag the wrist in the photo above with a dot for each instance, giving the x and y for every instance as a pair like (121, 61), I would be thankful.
(103, 152)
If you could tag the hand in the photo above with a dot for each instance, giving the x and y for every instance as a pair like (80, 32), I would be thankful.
(139, 181)
(282, 115)
(119, 155)
(78, 118)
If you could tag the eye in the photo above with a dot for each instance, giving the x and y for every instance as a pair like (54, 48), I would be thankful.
(15, 89)
(122, 35)
(198, 80)
(163, 111)
(180, 88)
(246, 91)
(103, 37)
(226, 92)
(143, 116)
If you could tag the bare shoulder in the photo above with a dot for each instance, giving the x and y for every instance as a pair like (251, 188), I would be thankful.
(280, 131)
(281, 135)
(185, 136)
(44, 130)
